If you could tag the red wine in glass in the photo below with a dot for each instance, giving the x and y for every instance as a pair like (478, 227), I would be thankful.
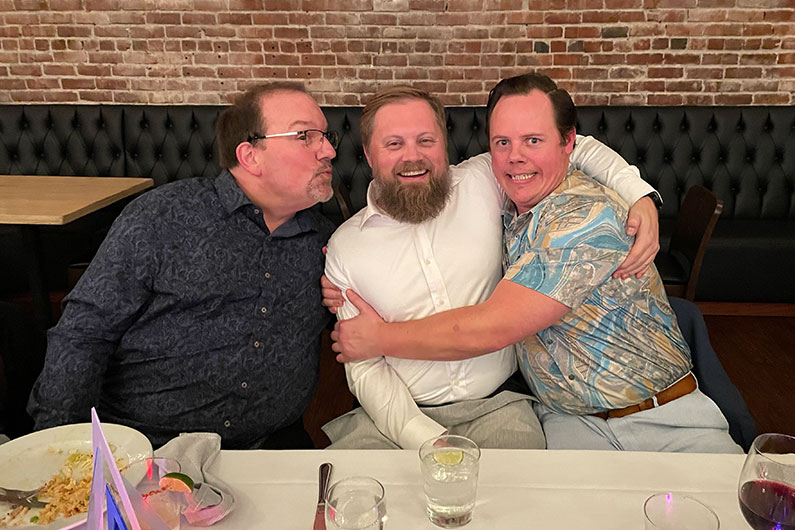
(768, 505)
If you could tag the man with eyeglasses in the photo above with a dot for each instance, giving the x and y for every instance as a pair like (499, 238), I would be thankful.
(201, 310)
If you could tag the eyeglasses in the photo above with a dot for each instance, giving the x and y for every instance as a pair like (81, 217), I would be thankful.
(312, 137)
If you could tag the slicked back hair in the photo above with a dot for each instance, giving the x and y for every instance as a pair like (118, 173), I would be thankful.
(398, 94)
(243, 119)
(563, 107)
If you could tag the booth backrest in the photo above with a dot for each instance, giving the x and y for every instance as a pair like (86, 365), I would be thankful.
(745, 155)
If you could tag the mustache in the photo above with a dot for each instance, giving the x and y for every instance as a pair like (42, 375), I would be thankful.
(406, 167)
(325, 167)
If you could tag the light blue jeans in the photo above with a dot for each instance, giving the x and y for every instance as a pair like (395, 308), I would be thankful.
(689, 424)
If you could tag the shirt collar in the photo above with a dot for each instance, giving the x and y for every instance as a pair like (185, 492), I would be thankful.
(233, 199)
(230, 194)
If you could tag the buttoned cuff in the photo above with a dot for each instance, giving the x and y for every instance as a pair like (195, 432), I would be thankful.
(418, 430)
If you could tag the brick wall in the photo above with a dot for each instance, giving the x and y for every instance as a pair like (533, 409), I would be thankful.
(634, 52)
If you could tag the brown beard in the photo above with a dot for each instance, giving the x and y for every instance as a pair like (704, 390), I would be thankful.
(412, 203)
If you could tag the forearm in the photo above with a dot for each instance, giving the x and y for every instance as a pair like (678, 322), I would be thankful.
(601, 163)
(389, 403)
(71, 380)
(512, 313)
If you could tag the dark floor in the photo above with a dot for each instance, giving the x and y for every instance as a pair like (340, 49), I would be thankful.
(758, 353)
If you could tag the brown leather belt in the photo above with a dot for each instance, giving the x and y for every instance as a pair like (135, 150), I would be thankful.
(681, 388)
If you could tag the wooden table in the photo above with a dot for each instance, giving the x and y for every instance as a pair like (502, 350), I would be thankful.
(29, 201)
(598, 490)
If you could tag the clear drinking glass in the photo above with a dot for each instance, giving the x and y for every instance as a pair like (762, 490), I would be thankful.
(156, 501)
(672, 511)
(356, 503)
(766, 488)
(450, 466)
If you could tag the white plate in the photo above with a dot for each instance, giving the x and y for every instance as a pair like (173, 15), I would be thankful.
(30, 461)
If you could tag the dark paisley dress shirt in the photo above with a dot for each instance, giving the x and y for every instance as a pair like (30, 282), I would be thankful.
(191, 317)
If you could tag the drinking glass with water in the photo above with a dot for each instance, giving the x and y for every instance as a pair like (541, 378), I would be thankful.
(356, 503)
(450, 466)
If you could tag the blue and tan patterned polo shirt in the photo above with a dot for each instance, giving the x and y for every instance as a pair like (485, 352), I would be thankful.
(620, 343)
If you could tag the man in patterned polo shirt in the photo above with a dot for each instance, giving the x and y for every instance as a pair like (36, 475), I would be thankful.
(604, 356)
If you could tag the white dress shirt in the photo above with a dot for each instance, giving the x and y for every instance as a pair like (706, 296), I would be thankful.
(409, 271)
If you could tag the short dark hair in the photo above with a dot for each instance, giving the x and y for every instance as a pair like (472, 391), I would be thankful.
(397, 94)
(562, 105)
(243, 119)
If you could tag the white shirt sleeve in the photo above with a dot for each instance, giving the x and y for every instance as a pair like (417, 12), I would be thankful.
(598, 161)
(380, 391)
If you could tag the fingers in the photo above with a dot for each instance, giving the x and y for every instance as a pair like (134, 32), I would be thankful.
(358, 302)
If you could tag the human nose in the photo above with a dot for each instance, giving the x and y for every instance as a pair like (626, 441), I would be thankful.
(410, 152)
(516, 154)
(326, 149)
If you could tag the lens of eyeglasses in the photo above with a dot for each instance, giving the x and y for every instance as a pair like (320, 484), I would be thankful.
(314, 138)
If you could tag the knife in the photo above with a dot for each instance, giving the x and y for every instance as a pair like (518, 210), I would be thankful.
(320, 515)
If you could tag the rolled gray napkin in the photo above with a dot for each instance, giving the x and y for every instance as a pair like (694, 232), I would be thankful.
(213, 499)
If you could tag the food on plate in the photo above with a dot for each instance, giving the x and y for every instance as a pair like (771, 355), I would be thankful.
(66, 493)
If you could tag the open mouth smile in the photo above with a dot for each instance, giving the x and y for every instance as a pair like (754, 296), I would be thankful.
(523, 176)
(413, 174)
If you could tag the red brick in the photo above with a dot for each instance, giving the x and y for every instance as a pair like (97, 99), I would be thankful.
(42, 83)
(665, 99)
(60, 97)
(743, 73)
(771, 99)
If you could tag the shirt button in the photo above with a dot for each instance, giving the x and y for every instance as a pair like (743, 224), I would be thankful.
(571, 377)
(244, 384)
(264, 309)
(256, 211)
(227, 423)
(267, 274)
(441, 302)
(427, 261)
(256, 344)
(516, 237)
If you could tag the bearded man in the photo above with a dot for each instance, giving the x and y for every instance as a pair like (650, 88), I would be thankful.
(430, 239)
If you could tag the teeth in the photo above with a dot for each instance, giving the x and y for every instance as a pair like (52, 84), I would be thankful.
(524, 176)
(412, 173)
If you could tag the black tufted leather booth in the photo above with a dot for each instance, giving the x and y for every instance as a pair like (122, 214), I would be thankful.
(745, 155)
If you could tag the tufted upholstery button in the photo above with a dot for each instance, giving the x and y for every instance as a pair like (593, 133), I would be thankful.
(449, 126)
(475, 126)
(750, 156)
(779, 156)
(629, 126)
(185, 155)
(50, 124)
(134, 155)
(667, 156)
(695, 157)
(683, 127)
(101, 124)
(14, 155)
(169, 124)
(144, 124)
(360, 157)
(159, 155)
(194, 125)
(24, 125)
(461, 158)
(208, 155)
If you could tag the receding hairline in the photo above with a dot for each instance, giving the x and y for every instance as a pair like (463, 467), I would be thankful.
(406, 100)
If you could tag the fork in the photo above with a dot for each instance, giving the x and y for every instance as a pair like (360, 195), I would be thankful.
(27, 498)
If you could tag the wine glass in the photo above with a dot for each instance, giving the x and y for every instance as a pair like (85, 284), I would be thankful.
(767, 483)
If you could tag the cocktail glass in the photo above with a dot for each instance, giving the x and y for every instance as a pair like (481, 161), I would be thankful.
(450, 466)
(158, 505)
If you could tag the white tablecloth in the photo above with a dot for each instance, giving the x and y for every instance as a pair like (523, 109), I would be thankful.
(517, 489)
